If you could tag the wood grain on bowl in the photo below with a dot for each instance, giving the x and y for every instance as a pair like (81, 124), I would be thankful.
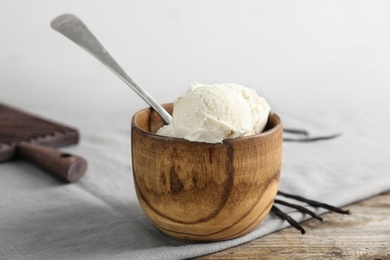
(205, 192)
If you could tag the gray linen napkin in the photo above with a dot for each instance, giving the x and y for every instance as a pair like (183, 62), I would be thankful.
(99, 217)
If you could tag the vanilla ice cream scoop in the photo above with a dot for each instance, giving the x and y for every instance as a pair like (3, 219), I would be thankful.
(211, 113)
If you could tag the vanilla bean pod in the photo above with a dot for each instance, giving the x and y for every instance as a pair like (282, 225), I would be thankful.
(289, 219)
(285, 216)
(300, 208)
(311, 139)
(306, 134)
(296, 131)
(314, 203)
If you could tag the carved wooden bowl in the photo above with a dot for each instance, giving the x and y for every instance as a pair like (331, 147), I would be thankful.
(205, 192)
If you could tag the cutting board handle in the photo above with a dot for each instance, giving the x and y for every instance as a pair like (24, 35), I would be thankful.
(67, 167)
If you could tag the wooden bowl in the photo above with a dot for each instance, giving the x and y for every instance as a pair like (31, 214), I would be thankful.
(204, 192)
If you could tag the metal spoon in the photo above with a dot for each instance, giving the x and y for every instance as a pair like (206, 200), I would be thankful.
(73, 28)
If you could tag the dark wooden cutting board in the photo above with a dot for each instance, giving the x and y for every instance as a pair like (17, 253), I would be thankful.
(26, 136)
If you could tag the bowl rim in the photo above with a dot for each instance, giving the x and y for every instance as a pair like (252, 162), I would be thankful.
(265, 133)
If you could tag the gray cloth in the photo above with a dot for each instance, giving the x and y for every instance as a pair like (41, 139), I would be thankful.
(323, 67)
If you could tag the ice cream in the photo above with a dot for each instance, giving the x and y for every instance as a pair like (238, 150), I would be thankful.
(211, 113)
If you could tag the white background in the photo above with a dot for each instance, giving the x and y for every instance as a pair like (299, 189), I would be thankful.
(294, 48)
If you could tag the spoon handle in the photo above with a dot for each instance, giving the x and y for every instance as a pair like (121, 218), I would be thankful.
(72, 27)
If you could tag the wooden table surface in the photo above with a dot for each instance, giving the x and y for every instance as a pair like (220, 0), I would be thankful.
(365, 234)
